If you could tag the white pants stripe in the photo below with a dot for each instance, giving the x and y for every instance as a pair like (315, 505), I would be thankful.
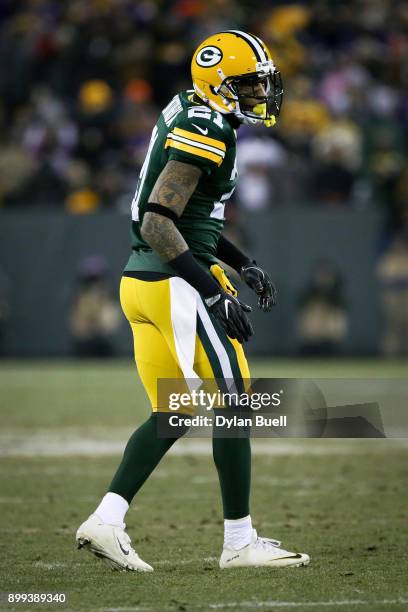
(186, 303)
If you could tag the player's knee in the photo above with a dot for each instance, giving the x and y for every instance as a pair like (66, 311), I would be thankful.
(231, 423)
(170, 425)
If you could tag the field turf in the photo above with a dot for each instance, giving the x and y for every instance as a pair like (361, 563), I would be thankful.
(63, 425)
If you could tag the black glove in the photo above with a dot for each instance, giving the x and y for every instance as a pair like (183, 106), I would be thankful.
(230, 312)
(260, 282)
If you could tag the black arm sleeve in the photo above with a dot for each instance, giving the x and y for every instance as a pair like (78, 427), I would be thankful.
(188, 268)
(231, 255)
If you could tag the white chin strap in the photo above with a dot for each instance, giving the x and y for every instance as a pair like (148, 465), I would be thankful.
(247, 120)
(244, 119)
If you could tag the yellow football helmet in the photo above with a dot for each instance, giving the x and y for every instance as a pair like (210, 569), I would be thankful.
(233, 72)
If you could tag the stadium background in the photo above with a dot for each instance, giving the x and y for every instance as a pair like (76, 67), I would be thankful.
(322, 199)
(322, 203)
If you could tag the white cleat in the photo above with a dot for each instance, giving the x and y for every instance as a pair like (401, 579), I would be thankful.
(111, 543)
(261, 552)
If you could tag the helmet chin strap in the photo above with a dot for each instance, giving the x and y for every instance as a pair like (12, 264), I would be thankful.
(259, 109)
(248, 120)
(254, 121)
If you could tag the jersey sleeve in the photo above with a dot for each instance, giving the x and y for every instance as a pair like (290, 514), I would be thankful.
(198, 141)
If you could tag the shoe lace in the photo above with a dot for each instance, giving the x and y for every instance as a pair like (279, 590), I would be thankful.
(266, 543)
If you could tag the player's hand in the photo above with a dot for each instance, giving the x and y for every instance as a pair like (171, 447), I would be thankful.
(231, 313)
(259, 281)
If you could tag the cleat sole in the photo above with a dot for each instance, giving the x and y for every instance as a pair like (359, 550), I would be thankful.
(275, 567)
(83, 543)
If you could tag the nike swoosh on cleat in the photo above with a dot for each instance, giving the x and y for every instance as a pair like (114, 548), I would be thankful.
(125, 552)
(296, 556)
(203, 131)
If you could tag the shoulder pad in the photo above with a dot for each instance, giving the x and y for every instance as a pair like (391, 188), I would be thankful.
(203, 120)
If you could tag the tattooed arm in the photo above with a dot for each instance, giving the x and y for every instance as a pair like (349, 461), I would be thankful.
(173, 190)
(171, 193)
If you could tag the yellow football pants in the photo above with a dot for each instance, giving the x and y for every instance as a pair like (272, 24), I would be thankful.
(175, 337)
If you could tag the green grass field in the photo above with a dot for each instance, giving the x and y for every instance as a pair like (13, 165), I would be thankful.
(63, 425)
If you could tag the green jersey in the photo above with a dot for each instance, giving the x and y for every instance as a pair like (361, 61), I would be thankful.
(191, 133)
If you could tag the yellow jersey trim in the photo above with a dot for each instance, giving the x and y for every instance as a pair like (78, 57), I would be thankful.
(200, 138)
(193, 150)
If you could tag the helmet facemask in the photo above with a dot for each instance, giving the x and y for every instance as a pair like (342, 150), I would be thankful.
(255, 97)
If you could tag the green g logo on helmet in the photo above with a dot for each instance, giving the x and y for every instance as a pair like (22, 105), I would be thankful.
(209, 56)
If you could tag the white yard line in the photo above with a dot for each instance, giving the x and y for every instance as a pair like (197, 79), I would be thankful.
(73, 441)
(134, 609)
(55, 565)
(271, 604)
(173, 563)
(32, 499)
(309, 604)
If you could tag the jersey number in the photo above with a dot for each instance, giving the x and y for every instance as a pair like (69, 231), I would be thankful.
(142, 176)
(201, 112)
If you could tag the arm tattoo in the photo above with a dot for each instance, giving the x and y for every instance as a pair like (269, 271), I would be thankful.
(163, 236)
(173, 189)
(175, 185)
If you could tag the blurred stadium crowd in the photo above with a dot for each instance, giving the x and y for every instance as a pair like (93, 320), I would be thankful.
(82, 83)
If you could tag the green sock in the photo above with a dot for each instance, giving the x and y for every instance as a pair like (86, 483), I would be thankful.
(232, 457)
(143, 452)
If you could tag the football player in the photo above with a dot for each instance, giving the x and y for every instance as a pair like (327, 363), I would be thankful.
(186, 319)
